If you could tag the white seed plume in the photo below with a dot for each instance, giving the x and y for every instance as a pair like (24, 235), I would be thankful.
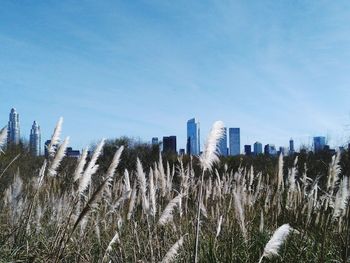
(91, 168)
(58, 157)
(115, 239)
(152, 194)
(280, 173)
(277, 239)
(210, 153)
(132, 201)
(3, 136)
(42, 174)
(80, 166)
(127, 181)
(115, 162)
(240, 213)
(173, 251)
(168, 211)
(55, 137)
(143, 186)
(341, 199)
(218, 229)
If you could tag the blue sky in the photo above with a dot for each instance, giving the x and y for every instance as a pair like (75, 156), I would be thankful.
(276, 69)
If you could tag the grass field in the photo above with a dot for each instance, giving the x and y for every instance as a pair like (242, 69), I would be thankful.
(151, 215)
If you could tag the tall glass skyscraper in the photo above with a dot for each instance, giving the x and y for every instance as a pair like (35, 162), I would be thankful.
(319, 143)
(35, 139)
(291, 146)
(235, 141)
(13, 131)
(258, 148)
(193, 137)
(223, 144)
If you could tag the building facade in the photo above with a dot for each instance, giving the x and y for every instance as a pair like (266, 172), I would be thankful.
(222, 147)
(155, 141)
(247, 150)
(169, 144)
(35, 139)
(319, 143)
(13, 130)
(291, 146)
(270, 149)
(193, 137)
(235, 141)
(258, 148)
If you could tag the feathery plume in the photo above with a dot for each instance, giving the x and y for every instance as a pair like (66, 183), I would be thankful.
(91, 168)
(58, 157)
(277, 239)
(3, 136)
(143, 186)
(127, 181)
(168, 211)
(173, 251)
(42, 174)
(218, 229)
(152, 194)
(115, 239)
(80, 166)
(240, 213)
(132, 201)
(341, 199)
(113, 166)
(210, 153)
(55, 137)
(280, 173)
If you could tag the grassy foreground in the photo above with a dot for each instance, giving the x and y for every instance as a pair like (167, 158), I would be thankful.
(151, 215)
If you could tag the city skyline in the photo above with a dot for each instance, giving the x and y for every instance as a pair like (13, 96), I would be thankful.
(114, 68)
(231, 141)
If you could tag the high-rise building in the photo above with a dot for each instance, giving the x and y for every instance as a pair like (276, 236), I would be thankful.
(248, 149)
(13, 130)
(193, 137)
(72, 153)
(270, 149)
(169, 144)
(319, 143)
(35, 139)
(291, 146)
(223, 144)
(282, 150)
(235, 141)
(258, 148)
(155, 141)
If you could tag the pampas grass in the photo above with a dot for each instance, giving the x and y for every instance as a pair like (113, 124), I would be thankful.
(58, 157)
(55, 138)
(277, 239)
(210, 153)
(167, 214)
(80, 166)
(173, 251)
(3, 137)
(91, 168)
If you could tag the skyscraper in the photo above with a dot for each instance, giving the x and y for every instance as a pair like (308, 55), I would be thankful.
(270, 149)
(155, 141)
(319, 143)
(257, 148)
(169, 144)
(235, 141)
(291, 146)
(193, 137)
(35, 139)
(13, 131)
(248, 149)
(223, 144)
